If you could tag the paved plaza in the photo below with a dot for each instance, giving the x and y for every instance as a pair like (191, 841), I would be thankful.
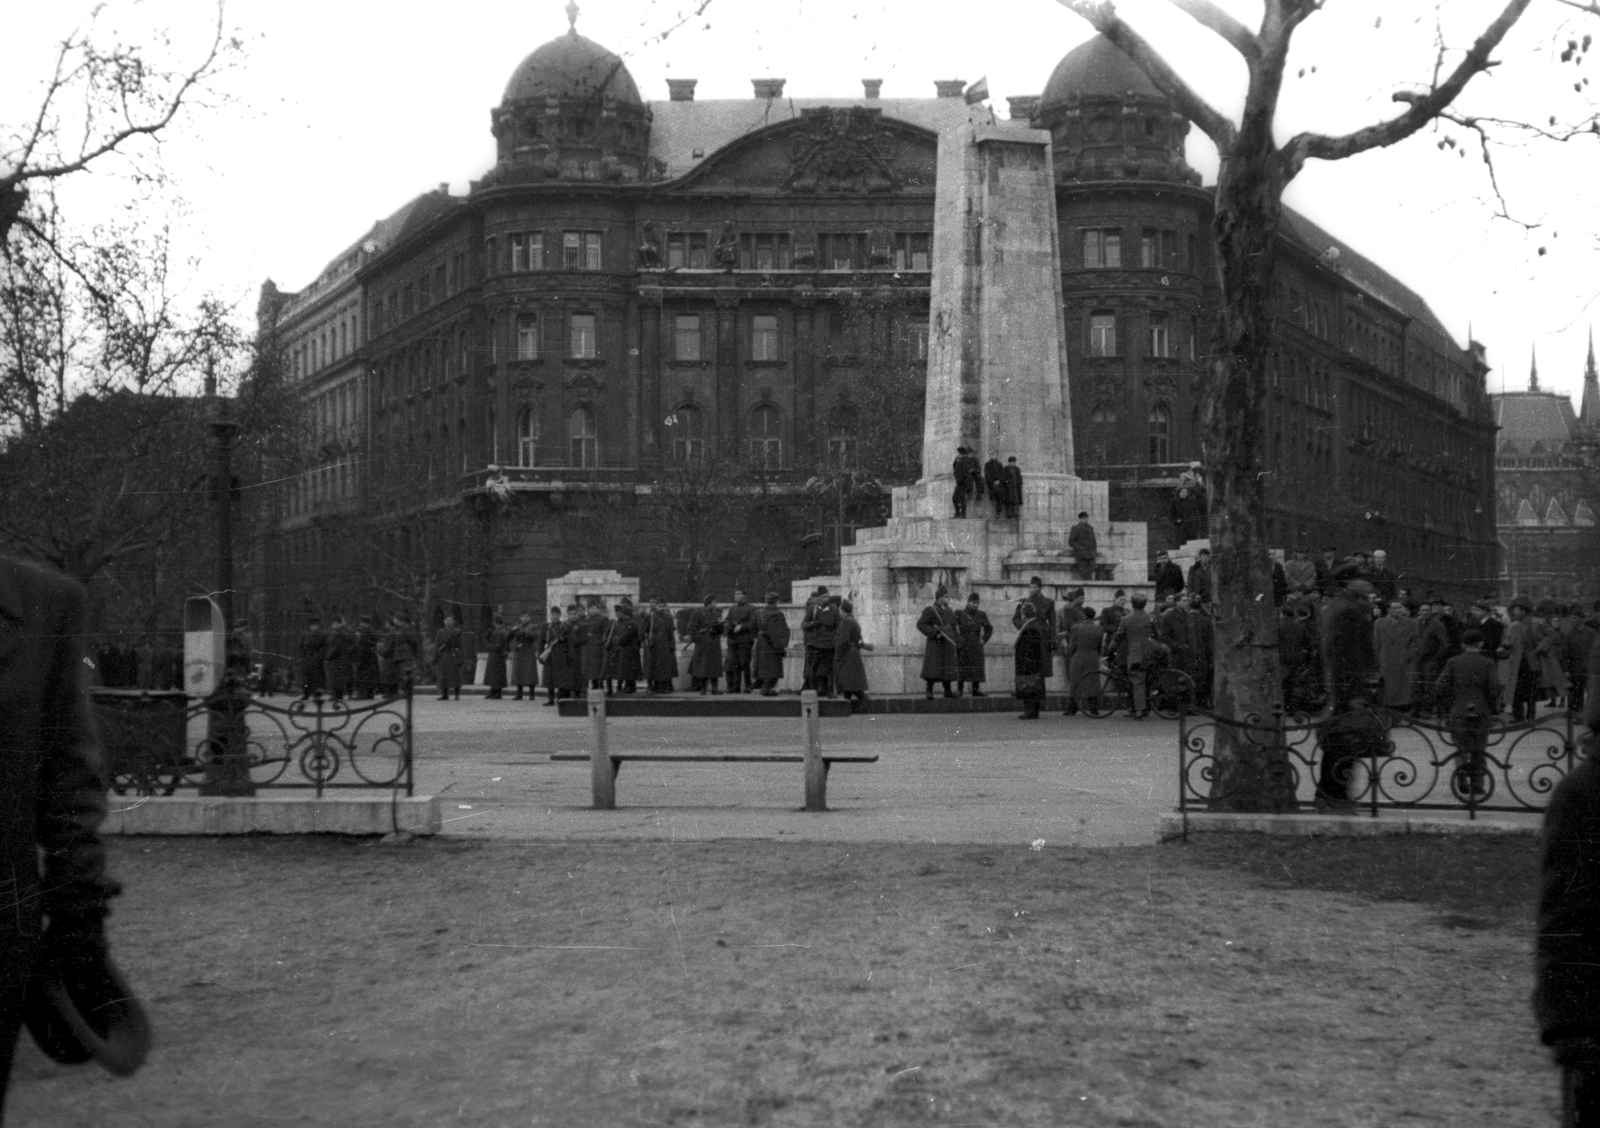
(973, 778)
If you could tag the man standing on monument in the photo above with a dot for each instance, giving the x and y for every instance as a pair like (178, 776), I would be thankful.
(1013, 487)
(994, 480)
(1084, 547)
(969, 478)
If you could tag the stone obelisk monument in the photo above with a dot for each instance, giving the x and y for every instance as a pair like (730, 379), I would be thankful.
(997, 382)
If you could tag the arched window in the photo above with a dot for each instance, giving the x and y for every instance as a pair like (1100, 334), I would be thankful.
(583, 448)
(1160, 433)
(527, 337)
(686, 434)
(766, 438)
(494, 435)
(1104, 414)
(527, 437)
(842, 424)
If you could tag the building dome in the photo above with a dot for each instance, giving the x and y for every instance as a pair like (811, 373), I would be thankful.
(1096, 69)
(571, 66)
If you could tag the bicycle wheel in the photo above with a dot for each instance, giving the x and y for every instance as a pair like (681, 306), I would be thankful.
(1099, 693)
(1171, 694)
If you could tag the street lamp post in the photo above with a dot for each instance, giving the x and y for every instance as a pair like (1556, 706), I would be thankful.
(227, 769)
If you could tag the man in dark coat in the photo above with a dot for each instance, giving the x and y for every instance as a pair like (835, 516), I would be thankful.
(1383, 579)
(1083, 546)
(1168, 577)
(339, 665)
(849, 671)
(1043, 606)
(496, 641)
(973, 631)
(525, 640)
(937, 625)
(448, 661)
(313, 659)
(1437, 646)
(705, 633)
(555, 651)
(818, 628)
(592, 646)
(1350, 667)
(622, 650)
(1325, 568)
(1031, 662)
(1469, 686)
(1175, 633)
(994, 481)
(1566, 994)
(1199, 582)
(1204, 634)
(739, 628)
(772, 643)
(53, 785)
(660, 648)
(1301, 574)
(1013, 488)
(1131, 644)
(969, 479)
(1084, 645)
(366, 659)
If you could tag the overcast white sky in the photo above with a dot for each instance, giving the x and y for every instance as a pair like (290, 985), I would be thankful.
(339, 112)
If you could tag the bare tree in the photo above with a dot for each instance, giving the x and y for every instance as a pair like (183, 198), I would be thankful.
(1255, 169)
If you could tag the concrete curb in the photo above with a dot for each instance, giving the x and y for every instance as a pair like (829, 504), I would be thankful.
(1170, 825)
(272, 814)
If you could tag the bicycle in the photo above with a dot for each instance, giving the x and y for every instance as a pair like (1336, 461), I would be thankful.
(1169, 692)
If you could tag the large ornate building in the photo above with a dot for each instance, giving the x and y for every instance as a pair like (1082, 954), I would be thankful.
(686, 339)
(1547, 491)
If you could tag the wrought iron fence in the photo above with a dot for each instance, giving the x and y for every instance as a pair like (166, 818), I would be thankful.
(1373, 760)
(159, 742)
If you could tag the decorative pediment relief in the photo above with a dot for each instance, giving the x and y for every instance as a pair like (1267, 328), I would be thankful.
(584, 380)
(829, 150)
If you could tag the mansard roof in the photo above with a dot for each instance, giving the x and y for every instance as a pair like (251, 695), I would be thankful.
(1534, 419)
(684, 134)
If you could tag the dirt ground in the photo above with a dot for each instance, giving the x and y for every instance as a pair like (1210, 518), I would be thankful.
(1251, 981)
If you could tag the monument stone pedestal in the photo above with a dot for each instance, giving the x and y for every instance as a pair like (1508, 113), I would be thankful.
(997, 384)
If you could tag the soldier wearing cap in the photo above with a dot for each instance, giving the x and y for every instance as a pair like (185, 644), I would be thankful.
(969, 479)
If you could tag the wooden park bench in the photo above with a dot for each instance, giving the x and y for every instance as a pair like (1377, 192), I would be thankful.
(604, 763)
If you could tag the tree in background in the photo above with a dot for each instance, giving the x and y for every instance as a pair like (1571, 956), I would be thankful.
(1255, 169)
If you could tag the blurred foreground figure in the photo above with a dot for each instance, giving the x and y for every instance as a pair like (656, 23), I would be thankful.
(56, 974)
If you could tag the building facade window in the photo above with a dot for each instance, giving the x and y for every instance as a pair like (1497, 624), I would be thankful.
(686, 337)
(842, 424)
(686, 434)
(1160, 342)
(583, 445)
(766, 438)
(765, 251)
(1160, 433)
(1102, 333)
(687, 249)
(1158, 248)
(582, 336)
(841, 251)
(527, 337)
(580, 250)
(913, 251)
(764, 337)
(527, 437)
(1103, 414)
(1102, 248)
(917, 341)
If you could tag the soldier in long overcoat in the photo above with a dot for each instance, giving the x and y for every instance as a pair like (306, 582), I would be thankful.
(622, 650)
(592, 647)
(313, 654)
(819, 628)
(705, 632)
(973, 632)
(739, 628)
(1395, 639)
(937, 624)
(849, 673)
(1032, 662)
(526, 639)
(1083, 645)
(447, 659)
(660, 648)
(366, 658)
(339, 667)
(772, 643)
(405, 651)
(555, 651)
(496, 641)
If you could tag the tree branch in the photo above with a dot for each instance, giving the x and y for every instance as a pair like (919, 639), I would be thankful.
(1102, 16)
(1213, 18)
(1424, 107)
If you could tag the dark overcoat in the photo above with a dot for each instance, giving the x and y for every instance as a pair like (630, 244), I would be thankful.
(1084, 643)
(592, 647)
(494, 671)
(660, 647)
(447, 662)
(1566, 993)
(622, 649)
(849, 674)
(973, 631)
(1044, 609)
(938, 626)
(1082, 544)
(558, 669)
(1032, 657)
(705, 631)
(739, 628)
(526, 642)
(1471, 684)
(772, 642)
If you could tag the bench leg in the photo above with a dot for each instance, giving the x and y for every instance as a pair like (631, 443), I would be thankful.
(602, 769)
(816, 766)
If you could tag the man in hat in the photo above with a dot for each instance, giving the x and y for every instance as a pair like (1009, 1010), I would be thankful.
(994, 481)
(1013, 488)
(1199, 582)
(973, 631)
(1350, 664)
(1168, 576)
(1301, 574)
(313, 659)
(623, 637)
(447, 663)
(660, 647)
(937, 625)
(1084, 548)
(53, 778)
(820, 631)
(772, 643)
(1383, 579)
(1043, 607)
(705, 633)
(968, 476)
(739, 628)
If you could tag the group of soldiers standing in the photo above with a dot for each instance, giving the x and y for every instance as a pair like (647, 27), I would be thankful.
(1001, 482)
(355, 658)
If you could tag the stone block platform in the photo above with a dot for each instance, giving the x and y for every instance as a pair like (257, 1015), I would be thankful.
(375, 813)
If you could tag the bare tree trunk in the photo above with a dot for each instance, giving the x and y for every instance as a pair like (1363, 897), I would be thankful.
(1250, 776)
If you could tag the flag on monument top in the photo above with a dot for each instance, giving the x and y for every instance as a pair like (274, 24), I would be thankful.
(978, 91)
